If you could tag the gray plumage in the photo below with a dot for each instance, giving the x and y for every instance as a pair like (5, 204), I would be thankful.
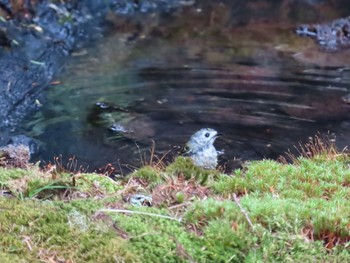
(200, 148)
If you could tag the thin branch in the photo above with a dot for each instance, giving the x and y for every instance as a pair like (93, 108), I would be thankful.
(235, 198)
(140, 213)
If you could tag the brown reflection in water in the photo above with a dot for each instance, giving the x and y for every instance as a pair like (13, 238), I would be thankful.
(235, 66)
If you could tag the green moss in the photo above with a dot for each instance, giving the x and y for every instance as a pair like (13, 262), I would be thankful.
(148, 173)
(299, 213)
(33, 183)
(88, 206)
(152, 237)
(201, 212)
(184, 166)
(34, 231)
(306, 180)
(90, 182)
(180, 197)
(9, 174)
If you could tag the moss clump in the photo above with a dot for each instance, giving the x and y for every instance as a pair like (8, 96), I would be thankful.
(309, 179)
(7, 175)
(33, 183)
(36, 231)
(310, 196)
(148, 173)
(153, 238)
(96, 182)
(279, 213)
(184, 166)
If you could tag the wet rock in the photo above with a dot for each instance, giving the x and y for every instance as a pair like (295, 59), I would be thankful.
(36, 39)
(138, 200)
(40, 46)
(136, 127)
(14, 156)
(26, 141)
(331, 36)
(4, 41)
(122, 122)
(129, 7)
(346, 98)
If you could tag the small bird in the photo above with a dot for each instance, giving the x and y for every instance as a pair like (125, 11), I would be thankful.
(200, 148)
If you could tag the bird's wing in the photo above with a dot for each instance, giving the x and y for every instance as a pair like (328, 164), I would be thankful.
(186, 151)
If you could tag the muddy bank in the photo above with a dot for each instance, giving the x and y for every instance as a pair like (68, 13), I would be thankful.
(36, 38)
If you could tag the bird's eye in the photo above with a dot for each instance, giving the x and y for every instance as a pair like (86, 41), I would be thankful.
(207, 134)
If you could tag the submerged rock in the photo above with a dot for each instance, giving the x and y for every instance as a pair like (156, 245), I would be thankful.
(122, 122)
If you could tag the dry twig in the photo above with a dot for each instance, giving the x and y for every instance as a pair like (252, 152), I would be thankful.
(140, 213)
(235, 198)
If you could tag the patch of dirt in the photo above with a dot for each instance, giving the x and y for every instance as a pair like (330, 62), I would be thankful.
(178, 190)
(330, 238)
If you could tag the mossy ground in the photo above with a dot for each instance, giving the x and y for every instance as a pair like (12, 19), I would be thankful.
(265, 212)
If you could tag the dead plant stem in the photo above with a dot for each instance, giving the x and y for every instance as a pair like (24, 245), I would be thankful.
(140, 213)
(244, 212)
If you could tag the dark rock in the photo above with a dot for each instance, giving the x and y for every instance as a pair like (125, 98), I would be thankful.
(330, 36)
(14, 156)
(26, 141)
(37, 38)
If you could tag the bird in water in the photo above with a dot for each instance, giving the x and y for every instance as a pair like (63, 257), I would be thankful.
(200, 148)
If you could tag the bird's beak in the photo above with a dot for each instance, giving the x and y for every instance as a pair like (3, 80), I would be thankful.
(219, 135)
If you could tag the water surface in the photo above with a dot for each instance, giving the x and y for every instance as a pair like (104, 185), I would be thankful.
(233, 66)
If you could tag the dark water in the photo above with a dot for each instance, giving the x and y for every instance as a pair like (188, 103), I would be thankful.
(235, 66)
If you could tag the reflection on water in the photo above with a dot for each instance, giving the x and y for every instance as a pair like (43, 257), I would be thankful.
(233, 66)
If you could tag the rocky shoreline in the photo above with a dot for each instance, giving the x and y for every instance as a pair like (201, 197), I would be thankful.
(37, 38)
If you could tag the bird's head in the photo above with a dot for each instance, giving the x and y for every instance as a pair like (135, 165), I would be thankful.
(201, 139)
